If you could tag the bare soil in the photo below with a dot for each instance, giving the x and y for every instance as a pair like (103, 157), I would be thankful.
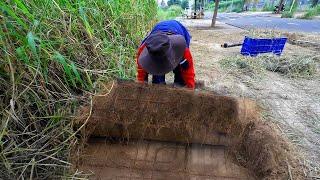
(228, 128)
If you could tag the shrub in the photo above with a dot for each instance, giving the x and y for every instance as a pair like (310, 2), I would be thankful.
(170, 13)
(312, 12)
(225, 4)
(287, 14)
(268, 7)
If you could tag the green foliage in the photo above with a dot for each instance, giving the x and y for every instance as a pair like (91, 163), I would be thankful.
(287, 14)
(291, 8)
(236, 9)
(314, 3)
(169, 13)
(174, 2)
(53, 55)
(268, 7)
(184, 4)
(223, 5)
(312, 12)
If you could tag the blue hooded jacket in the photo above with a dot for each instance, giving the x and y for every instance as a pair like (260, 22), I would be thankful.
(172, 26)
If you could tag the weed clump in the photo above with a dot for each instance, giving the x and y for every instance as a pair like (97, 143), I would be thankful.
(268, 7)
(287, 14)
(312, 12)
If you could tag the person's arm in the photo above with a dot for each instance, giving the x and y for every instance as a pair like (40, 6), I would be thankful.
(142, 75)
(187, 69)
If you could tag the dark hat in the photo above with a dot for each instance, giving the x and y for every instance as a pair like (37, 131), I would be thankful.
(162, 54)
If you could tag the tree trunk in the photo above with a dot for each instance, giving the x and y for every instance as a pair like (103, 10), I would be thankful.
(215, 13)
(245, 5)
(279, 6)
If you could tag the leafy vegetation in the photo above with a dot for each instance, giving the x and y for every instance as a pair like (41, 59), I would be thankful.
(169, 13)
(287, 14)
(268, 7)
(312, 12)
(226, 4)
(184, 4)
(174, 2)
(291, 8)
(53, 56)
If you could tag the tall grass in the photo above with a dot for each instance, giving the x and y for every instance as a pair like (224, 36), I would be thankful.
(312, 12)
(226, 4)
(268, 7)
(287, 14)
(169, 13)
(53, 56)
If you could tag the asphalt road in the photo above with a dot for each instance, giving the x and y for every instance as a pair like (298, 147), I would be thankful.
(268, 21)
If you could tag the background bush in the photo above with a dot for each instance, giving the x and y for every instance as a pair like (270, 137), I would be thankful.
(169, 13)
(287, 14)
(268, 7)
(312, 12)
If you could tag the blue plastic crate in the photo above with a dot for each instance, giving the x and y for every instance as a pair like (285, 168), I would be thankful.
(253, 47)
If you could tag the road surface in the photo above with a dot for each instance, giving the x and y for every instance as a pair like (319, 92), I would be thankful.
(268, 21)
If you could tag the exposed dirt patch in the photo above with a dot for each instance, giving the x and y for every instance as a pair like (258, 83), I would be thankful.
(249, 147)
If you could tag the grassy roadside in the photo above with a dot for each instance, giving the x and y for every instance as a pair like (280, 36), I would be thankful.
(54, 54)
(169, 13)
(312, 12)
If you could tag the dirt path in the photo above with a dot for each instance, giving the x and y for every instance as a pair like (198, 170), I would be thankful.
(294, 104)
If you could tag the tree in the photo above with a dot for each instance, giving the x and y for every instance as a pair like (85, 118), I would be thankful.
(163, 4)
(281, 4)
(185, 4)
(174, 2)
(246, 3)
(215, 13)
(293, 4)
(314, 3)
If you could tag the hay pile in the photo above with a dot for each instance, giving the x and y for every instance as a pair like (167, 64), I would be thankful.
(131, 110)
(293, 66)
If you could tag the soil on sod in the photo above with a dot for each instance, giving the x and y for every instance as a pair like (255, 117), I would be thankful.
(191, 134)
